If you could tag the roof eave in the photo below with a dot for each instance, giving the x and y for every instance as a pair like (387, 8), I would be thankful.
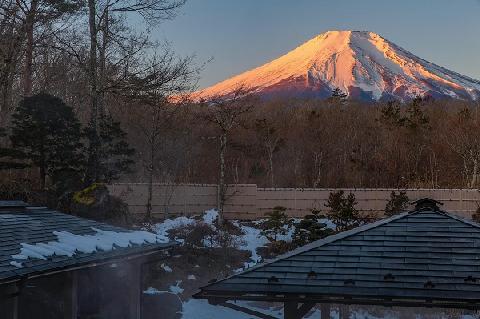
(89, 264)
(220, 296)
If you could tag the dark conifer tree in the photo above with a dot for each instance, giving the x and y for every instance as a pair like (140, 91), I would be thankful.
(397, 204)
(113, 154)
(46, 134)
(8, 155)
(338, 97)
(342, 211)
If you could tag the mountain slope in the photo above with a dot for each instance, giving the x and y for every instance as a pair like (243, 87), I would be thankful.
(362, 64)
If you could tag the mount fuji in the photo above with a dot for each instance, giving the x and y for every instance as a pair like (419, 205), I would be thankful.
(362, 64)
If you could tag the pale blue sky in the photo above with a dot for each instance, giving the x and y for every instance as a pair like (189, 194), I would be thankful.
(242, 34)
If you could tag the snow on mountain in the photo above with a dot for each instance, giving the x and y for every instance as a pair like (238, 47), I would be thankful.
(361, 63)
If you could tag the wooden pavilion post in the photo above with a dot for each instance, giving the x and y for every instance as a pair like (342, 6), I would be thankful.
(135, 288)
(343, 312)
(325, 311)
(292, 310)
(70, 296)
(9, 296)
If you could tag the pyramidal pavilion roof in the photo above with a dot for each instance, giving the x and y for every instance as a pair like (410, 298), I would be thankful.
(425, 257)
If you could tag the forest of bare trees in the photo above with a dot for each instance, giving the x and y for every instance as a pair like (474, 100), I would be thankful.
(311, 143)
(119, 83)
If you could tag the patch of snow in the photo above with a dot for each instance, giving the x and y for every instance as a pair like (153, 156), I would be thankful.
(210, 216)
(16, 264)
(328, 222)
(191, 277)
(161, 229)
(251, 241)
(166, 268)
(152, 291)
(201, 309)
(176, 289)
(253, 238)
(69, 244)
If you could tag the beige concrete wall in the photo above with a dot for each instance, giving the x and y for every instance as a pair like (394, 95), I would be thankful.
(167, 199)
(300, 201)
(247, 201)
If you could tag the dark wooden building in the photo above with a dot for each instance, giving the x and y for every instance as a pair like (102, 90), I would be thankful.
(423, 258)
(54, 265)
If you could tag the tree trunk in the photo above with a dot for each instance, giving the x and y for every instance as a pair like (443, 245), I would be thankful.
(29, 28)
(43, 177)
(270, 164)
(221, 183)
(318, 159)
(148, 216)
(92, 173)
(473, 182)
(42, 167)
(102, 64)
(11, 56)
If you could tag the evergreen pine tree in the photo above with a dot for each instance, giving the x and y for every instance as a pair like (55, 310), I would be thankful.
(342, 211)
(338, 97)
(397, 203)
(276, 224)
(46, 133)
(111, 156)
(310, 228)
(9, 156)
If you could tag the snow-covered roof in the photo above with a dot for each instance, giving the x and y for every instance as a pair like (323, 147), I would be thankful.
(424, 257)
(34, 241)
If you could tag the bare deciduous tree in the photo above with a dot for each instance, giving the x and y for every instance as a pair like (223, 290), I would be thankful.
(165, 78)
(462, 137)
(225, 114)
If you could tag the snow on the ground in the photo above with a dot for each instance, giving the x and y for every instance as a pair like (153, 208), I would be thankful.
(166, 268)
(191, 277)
(210, 216)
(176, 289)
(251, 241)
(162, 228)
(252, 237)
(69, 244)
(201, 309)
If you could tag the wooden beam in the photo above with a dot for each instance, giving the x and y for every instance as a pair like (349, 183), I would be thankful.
(248, 311)
(304, 309)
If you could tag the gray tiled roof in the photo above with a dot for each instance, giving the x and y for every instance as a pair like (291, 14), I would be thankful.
(33, 226)
(422, 255)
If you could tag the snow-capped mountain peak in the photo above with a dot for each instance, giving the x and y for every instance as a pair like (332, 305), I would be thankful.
(360, 63)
